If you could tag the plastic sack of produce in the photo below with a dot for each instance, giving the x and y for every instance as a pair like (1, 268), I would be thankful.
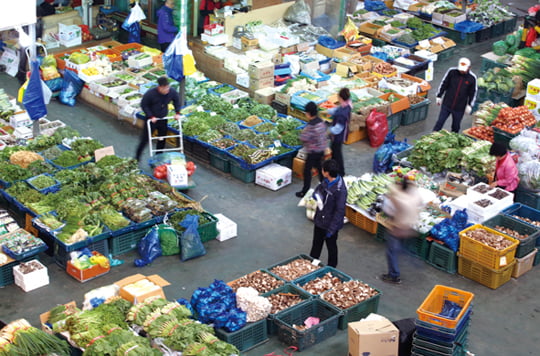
(165, 158)
(190, 241)
(168, 240)
(330, 42)
(71, 87)
(382, 160)
(374, 5)
(299, 12)
(377, 127)
(149, 247)
(55, 84)
(529, 174)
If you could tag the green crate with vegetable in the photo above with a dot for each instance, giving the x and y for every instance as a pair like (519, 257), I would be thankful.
(44, 183)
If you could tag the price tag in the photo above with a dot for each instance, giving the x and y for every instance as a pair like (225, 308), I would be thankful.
(424, 44)
(200, 108)
(213, 114)
(277, 143)
(235, 106)
(503, 261)
(102, 152)
(438, 40)
(316, 262)
(429, 72)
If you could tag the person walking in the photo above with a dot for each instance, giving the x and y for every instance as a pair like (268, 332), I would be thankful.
(340, 127)
(155, 105)
(402, 204)
(459, 90)
(331, 196)
(166, 29)
(315, 142)
(506, 172)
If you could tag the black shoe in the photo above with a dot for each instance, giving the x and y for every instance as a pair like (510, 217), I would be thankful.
(300, 194)
(389, 279)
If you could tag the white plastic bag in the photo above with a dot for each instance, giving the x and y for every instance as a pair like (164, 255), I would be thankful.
(136, 14)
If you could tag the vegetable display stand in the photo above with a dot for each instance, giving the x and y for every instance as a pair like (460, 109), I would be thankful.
(527, 244)
(245, 175)
(524, 264)
(488, 277)
(430, 309)
(302, 281)
(62, 256)
(126, 242)
(417, 112)
(394, 120)
(219, 161)
(417, 246)
(303, 339)
(442, 257)
(357, 311)
(358, 219)
(6, 271)
(527, 197)
(248, 337)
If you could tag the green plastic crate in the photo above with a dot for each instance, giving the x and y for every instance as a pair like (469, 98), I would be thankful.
(526, 245)
(380, 234)
(415, 113)
(250, 336)
(443, 258)
(394, 120)
(245, 175)
(290, 259)
(300, 282)
(219, 160)
(327, 327)
(417, 246)
(445, 54)
(6, 271)
(527, 197)
(358, 311)
(461, 37)
(497, 29)
(488, 64)
(286, 288)
(209, 230)
(536, 259)
(121, 244)
(510, 24)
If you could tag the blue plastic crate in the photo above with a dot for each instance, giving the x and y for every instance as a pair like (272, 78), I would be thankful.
(443, 334)
(468, 26)
(213, 90)
(70, 167)
(80, 244)
(300, 102)
(523, 211)
(26, 254)
(320, 76)
(51, 189)
(403, 44)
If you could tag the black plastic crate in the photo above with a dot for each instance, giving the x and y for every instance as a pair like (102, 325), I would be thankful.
(327, 327)
(526, 245)
(510, 24)
(483, 34)
(527, 197)
(200, 151)
(279, 107)
(497, 29)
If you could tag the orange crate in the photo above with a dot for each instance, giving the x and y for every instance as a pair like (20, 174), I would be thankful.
(111, 44)
(484, 254)
(401, 104)
(431, 307)
(113, 55)
(356, 136)
(357, 219)
(486, 276)
(60, 63)
(83, 275)
(127, 46)
(423, 84)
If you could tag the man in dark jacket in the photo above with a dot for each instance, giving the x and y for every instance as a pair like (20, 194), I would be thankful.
(331, 196)
(166, 29)
(340, 127)
(155, 103)
(459, 89)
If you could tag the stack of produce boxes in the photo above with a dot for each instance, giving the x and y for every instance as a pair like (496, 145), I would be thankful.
(442, 324)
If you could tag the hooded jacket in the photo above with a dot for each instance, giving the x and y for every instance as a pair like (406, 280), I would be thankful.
(506, 173)
(314, 135)
(333, 196)
(341, 118)
(166, 29)
(459, 89)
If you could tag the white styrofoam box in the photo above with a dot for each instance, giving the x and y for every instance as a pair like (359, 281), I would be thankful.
(77, 67)
(177, 175)
(234, 95)
(69, 35)
(23, 132)
(473, 194)
(475, 218)
(460, 203)
(216, 39)
(427, 55)
(243, 80)
(32, 280)
(366, 93)
(533, 104)
(302, 154)
(273, 176)
(504, 202)
(20, 119)
(226, 227)
(492, 209)
(89, 78)
(213, 29)
(533, 89)
(135, 62)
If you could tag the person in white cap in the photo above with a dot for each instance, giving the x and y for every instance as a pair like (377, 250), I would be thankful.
(456, 94)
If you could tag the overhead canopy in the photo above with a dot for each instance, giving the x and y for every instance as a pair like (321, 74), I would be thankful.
(18, 13)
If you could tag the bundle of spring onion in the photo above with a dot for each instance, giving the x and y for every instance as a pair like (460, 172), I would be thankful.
(526, 65)
(22, 339)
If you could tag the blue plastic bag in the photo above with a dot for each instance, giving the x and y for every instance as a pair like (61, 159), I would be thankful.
(382, 160)
(192, 246)
(33, 99)
(55, 84)
(149, 248)
(134, 33)
(374, 5)
(71, 87)
(165, 158)
(330, 42)
(174, 62)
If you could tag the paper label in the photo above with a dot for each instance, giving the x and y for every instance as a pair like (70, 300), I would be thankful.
(102, 152)
(424, 44)
(213, 114)
(429, 72)
(200, 108)
(315, 262)
(503, 261)
(438, 40)
(277, 143)
(235, 106)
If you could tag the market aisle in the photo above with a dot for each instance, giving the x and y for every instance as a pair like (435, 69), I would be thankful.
(272, 228)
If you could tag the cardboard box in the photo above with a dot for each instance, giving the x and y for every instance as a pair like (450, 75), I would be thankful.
(346, 69)
(328, 52)
(273, 176)
(255, 84)
(155, 279)
(344, 53)
(283, 98)
(373, 337)
(215, 40)
(261, 70)
(401, 104)
(177, 175)
(69, 35)
(226, 227)
(264, 96)
(533, 89)
(83, 275)
(288, 49)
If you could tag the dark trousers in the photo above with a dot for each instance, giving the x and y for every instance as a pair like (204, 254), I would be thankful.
(337, 155)
(163, 46)
(443, 115)
(161, 127)
(313, 160)
(393, 249)
(319, 238)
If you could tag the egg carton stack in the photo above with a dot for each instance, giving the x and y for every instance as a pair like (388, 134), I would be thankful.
(442, 323)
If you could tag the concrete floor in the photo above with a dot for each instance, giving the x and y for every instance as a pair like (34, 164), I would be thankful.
(272, 228)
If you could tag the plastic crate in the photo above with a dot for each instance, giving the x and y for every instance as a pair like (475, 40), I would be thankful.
(286, 159)
(105, 234)
(524, 264)
(219, 161)
(209, 230)
(243, 174)
(433, 304)
(442, 257)
(213, 90)
(445, 54)
(488, 64)
(300, 282)
(488, 277)
(438, 345)
(417, 246)
(288, 288)
(381, 232)
(200, 151)
(519, 210)
(361, 221)
(483, 34)
(510, 24)
(526, 245)
(484, 254)
(536, 259)
(459, 37)
(497, 29)
(6, 271)
(394, 120)
(27, 254)
(358, 311)
(327, 327)
(248, 337)
(417, 112)
(62, 256)
(442, 334)
(527, 197)
(51, 189)
(290, 259)
(126, 242)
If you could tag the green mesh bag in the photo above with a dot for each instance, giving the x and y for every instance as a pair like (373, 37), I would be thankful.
(511, 40)
(500, 48)
(168, 240)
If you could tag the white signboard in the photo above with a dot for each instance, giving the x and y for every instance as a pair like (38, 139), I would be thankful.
(17, 13)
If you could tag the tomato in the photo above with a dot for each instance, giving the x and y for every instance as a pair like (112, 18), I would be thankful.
(160, 172)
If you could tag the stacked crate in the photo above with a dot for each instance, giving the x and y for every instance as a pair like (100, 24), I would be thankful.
(439, 330)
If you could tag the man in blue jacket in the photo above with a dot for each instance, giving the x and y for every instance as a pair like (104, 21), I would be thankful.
(331, 196)
(166, 28)
(459, 89)
(155, 104)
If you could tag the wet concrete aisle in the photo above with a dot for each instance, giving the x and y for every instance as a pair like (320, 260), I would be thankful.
(272, 228)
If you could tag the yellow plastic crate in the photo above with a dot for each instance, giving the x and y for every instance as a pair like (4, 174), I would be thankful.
(360, 220)
(488, 277)
(431, 307)
(484, 254)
